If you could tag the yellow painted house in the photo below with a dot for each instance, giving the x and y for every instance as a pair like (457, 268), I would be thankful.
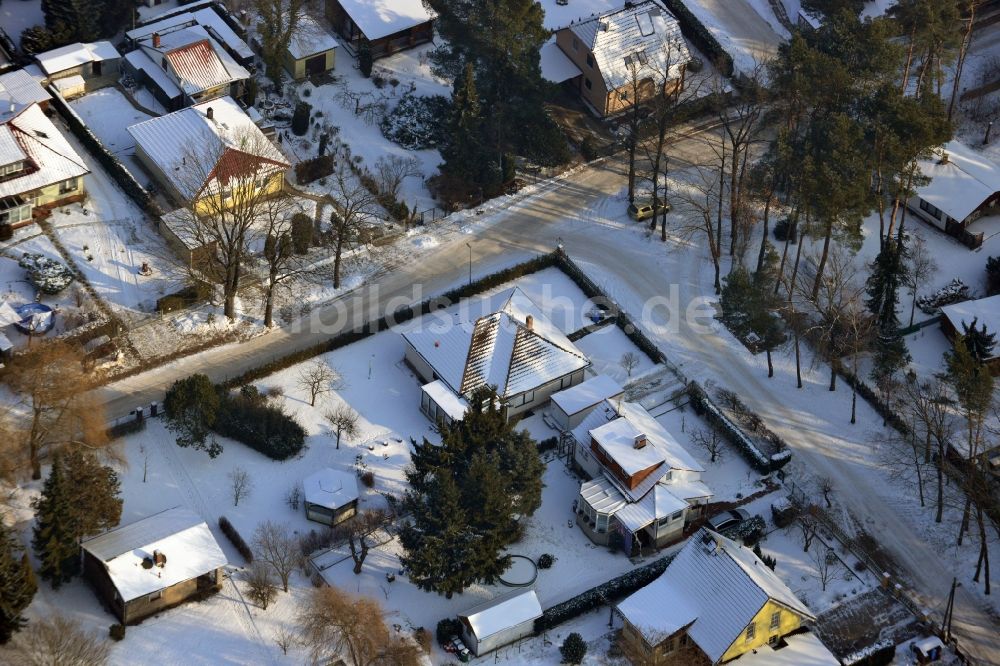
(715, 602)
(210, 156)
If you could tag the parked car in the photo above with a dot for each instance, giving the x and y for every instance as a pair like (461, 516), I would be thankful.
(639, 212)
(728, 519)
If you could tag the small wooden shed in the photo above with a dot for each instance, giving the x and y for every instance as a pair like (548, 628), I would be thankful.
(500, 621)
(331, 496)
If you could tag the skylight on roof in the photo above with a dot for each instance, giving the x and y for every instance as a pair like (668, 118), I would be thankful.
(645, 22)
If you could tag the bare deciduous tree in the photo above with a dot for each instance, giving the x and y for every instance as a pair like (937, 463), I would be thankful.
(260, 583)
(277, 22)
(57, 641)
(280, 259)
(700, 195)
(929, 407)
(318, 378)
(344, 421)
(825, 488)
(629, 362)
(390, 172)
(48, 382)
(358, 533)
(286, 639)
(807, 526)
(827, 565)
(337, 624)
(354, 207)
(708, 439)
(275, 546)
(240, 484)
(922, 268)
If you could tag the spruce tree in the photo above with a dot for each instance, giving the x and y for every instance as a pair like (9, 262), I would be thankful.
(82, 17)
(17, 583)
(95, 491)
(436, 539)
(469, 168)
(55, 540)
(882, 289)
(978, 341)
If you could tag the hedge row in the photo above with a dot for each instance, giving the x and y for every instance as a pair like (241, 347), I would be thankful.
(761, 462)
(399, 316)
(235, 539)
(262, 427)
(877, 654)
(129, 427)
(700, 36)
(612, 590)
(122, 176)
(879, 405)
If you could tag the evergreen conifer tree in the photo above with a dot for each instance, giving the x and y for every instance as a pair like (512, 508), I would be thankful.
(468, 165)
(95, 490)
(888, 273)
(978, 341)
(17, 583)
(55, 536)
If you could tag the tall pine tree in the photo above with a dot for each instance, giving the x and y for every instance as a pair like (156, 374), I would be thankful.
(888, 273)
(17, 583)
(55, 541)
(469, 167)
(467, 497)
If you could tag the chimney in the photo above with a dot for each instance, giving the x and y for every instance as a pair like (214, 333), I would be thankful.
(529, 323)
(156, 40)
(210, 113)
(159, 559)
(639, 442)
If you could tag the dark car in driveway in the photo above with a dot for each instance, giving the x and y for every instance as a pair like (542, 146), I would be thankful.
(727, 520)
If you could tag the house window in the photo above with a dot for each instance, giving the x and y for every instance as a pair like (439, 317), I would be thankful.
(155, 595)
(930, 209)
(751, 631)
(590, 61)
(16, 215)
(424, 402)
(576, 45)
(677, 515)
(775, 620)
(587, 83)
(641, 57)
(13, 167)
(628, 61)
(68, 186)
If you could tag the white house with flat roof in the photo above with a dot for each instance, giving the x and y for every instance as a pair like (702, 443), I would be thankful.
(500, 621)
(571, 406)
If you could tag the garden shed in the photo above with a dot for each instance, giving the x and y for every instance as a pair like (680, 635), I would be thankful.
(331, 496)
(500, 621)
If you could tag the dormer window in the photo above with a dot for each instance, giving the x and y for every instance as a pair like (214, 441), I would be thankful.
(12, 168)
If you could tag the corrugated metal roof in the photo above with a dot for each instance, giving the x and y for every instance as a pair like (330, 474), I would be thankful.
(52, 155)
(10, 149)
(602, 495)
(205, 17)
(645, 33)
(21, 87)
(179, 533)
(657, 504)
(719, 584)
(197, 67)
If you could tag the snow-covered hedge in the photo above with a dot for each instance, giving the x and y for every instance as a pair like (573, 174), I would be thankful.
(955, 291)
(417, 123)
(876, 654)
(700, 36)
(611, 591)
(48, 275)
(757, 459)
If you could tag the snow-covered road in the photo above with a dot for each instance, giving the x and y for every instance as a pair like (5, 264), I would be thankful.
(572, 213)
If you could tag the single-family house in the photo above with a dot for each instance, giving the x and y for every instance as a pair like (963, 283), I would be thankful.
(209, 156)
(981, 312)
(503, 341)
(384, 26)
(626, 56)
(79, 68)
(571, 406)
(644, 486)
(154, 563)
(715, 602)
(964, 185)
(39, 169)
(330, 496)
(189, 58)
(312, 49)
(500, 621)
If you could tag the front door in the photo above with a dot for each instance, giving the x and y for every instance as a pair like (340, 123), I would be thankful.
(316, 65)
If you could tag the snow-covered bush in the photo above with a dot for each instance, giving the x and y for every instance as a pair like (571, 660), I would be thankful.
(955, 291)
(48, 275)
(417, 123)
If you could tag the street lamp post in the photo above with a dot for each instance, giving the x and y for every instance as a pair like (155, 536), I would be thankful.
(469, 245)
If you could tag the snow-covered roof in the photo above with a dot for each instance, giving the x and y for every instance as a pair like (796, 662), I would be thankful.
(205, 17)
(659, 503)
(960, 184)
(172, 139)
(453, 405)
(627, 445)
(986, 312)
(689, 489)
(797, 650)
(502, 340)
(502, 613)
(556, 65)
(587, 395)
(722, 584)
(602, 495)
(179, 534)
(69, 83)
(643, 36)
(21, 88)
(193, 59)
(330, 488)
(52, 157)
(141, 62)
(381, 18)
(74, 55)
(8, 315)
(310, 38)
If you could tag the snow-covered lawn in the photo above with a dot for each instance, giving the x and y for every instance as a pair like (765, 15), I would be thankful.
(108, 113)
(606, 347)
